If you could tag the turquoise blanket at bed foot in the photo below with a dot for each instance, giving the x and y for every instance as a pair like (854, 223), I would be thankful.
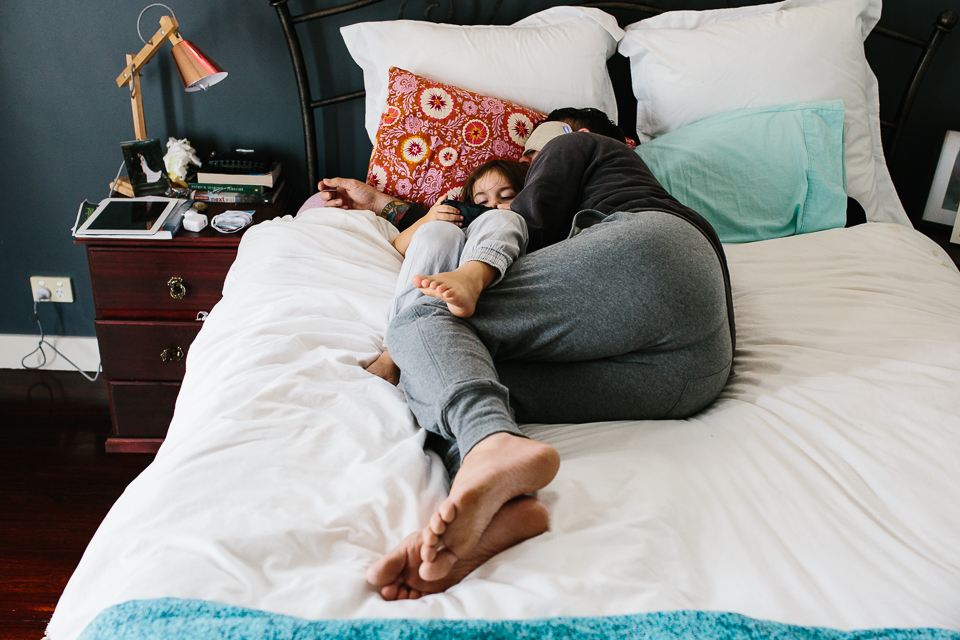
(167, 618)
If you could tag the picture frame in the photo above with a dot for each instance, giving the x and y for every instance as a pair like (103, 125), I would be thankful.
(145, 167)
(944, 198)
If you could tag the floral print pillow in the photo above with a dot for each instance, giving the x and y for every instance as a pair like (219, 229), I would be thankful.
(433, 135)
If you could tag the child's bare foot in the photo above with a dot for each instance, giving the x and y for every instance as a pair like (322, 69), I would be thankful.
(498, 468)
(384, 367)
(396, 574)
(461, 288)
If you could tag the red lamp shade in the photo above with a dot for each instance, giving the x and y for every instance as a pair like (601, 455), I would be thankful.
(197, 71)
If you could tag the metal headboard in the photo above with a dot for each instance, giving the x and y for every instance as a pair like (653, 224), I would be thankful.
(308, 104)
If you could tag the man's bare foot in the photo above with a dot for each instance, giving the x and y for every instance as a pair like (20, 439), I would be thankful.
(460, 288)
(384, 367)
(498, 468)
(396, 574)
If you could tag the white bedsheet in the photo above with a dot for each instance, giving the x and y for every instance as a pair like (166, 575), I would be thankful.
(821, 489)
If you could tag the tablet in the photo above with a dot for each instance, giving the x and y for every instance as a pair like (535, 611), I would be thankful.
(128, 216)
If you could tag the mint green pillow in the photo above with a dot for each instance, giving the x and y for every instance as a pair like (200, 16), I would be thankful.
(760, 173)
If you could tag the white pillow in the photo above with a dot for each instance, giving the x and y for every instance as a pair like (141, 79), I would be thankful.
(688, 65)
(552, 59)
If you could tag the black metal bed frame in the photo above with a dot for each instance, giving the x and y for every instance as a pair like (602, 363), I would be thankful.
(308, 105)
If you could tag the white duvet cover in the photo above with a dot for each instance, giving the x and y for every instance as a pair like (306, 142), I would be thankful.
(823, 488)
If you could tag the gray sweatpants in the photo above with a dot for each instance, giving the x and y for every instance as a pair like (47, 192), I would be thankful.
(627, 320)
(496, 238)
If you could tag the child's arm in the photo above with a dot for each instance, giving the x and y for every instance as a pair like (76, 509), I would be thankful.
(443, 212)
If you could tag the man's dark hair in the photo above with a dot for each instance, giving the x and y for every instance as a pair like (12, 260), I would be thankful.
(593, 120)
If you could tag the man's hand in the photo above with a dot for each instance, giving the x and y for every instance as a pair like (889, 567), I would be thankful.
(444, 213)
(345, 193)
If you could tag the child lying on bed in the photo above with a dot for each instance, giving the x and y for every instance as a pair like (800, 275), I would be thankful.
(444, 260)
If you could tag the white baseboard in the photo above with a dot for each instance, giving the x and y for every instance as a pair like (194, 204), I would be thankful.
(83, 351)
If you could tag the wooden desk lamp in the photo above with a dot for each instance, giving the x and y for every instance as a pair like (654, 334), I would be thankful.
(197, 72)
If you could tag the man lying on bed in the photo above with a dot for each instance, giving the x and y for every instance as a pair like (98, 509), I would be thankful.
(621, 310)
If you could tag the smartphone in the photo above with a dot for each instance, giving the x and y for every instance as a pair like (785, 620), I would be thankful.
(470, 212)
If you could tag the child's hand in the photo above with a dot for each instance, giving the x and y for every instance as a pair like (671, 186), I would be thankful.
(444, 213)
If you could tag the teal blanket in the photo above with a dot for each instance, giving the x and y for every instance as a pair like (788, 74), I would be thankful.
(168, 618)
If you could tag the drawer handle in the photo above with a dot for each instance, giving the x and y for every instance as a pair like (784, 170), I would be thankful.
(174, 354)
(177, 289)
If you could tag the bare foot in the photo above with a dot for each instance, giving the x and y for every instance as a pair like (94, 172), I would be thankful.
(396, 574)
(461, 288)
(498, 468)
(384, 367)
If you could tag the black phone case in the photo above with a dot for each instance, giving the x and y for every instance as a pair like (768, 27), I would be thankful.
(470, 212)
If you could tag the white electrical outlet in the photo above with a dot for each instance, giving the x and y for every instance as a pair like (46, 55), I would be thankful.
(61, 288)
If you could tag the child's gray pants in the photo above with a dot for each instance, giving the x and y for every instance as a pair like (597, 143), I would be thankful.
(625, 321)
(496, 237)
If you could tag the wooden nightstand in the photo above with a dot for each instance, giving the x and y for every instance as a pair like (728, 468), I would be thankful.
(147, 295)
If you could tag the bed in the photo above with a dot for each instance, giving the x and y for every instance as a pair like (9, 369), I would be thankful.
(815, 498)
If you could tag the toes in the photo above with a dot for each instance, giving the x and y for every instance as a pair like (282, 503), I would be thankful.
(387, 570)
(403, 592)
(428, 545)
(414, 594)
(428, 553)
(389, 592)
(439, 567)
(422, 282)
(438, 524)
(447, 511)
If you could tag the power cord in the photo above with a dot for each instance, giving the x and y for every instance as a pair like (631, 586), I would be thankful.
(44, 294)
(112, 184)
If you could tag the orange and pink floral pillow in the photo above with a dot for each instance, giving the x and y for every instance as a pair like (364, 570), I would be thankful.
(433, 135)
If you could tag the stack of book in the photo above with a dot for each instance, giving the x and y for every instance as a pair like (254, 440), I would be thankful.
(238, 188)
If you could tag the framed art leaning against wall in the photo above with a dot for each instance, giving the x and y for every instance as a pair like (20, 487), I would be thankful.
(944, 198)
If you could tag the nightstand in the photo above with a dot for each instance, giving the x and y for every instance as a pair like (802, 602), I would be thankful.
(940, 233)
(148, 294)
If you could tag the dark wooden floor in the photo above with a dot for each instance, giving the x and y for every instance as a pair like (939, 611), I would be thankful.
(56, 485)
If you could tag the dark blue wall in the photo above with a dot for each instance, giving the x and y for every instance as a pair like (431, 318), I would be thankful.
(62, 116)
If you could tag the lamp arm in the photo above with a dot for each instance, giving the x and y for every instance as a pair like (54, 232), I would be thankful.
(169, 30)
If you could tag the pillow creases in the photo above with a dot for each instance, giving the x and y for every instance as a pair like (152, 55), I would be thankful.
(689, 65)
(756, 174)
(554, 58)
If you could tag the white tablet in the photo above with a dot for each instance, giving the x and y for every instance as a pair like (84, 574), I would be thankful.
(128, 216)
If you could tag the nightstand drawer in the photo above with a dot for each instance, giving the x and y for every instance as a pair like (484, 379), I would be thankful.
(145, 350)
(141, 409)
(165, 284)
